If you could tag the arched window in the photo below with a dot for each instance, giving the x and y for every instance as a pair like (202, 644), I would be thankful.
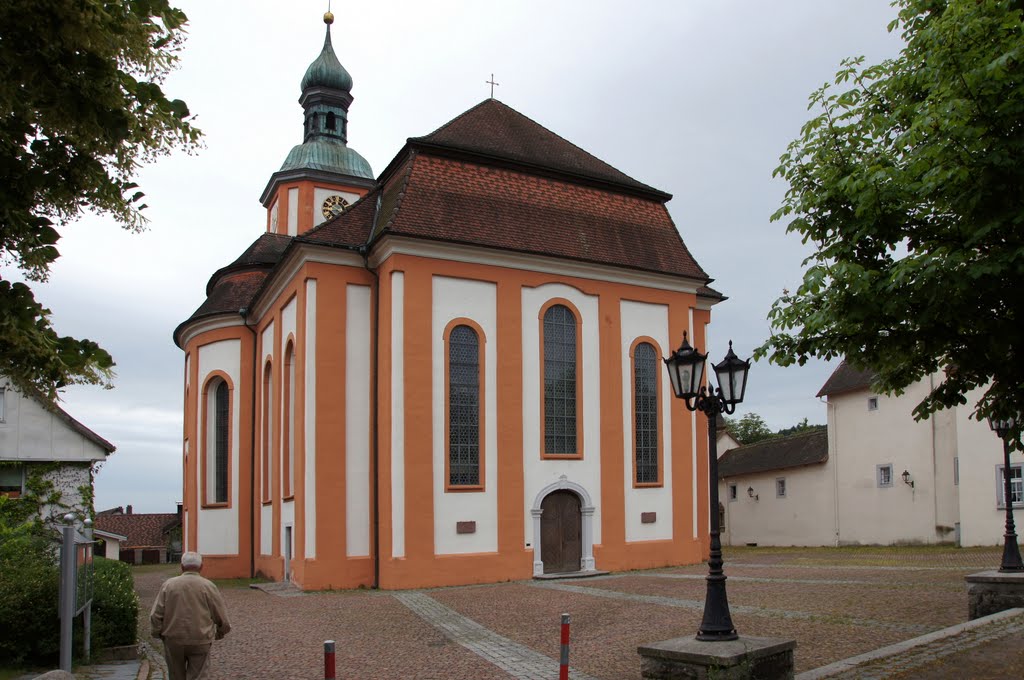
(330, 121)
(267, 440)
(288, 446)
(464, 400)
(645, 413)
(561, 382)
(218, 413)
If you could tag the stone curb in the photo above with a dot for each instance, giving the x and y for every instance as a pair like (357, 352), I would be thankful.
(900, 648)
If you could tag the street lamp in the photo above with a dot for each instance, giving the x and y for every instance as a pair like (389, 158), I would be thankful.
(1011, 552)
(686, 371)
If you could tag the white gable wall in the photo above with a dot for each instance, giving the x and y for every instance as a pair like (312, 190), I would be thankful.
(30, 432)
(980, 451)
(804, 516)
(861, 438)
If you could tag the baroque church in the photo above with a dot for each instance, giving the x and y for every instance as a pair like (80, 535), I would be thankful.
(449, 373)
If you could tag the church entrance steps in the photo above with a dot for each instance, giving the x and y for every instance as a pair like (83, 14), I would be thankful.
(279, 588)
(570, 574)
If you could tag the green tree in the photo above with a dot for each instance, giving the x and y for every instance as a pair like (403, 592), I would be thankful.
(749, 429)
(82, 110)
(910, 185)
(803, 426)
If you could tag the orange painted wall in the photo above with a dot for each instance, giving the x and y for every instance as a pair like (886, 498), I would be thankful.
(420, 566)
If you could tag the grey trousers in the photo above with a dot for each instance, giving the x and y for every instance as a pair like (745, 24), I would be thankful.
(186, 662)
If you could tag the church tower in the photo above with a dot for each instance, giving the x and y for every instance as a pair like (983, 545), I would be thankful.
(322, 175)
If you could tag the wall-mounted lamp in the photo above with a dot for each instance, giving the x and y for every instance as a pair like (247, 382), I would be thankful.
(907, 480)
(750, 492)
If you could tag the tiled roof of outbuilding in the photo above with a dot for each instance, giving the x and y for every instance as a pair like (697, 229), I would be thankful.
(805, 448)
(144, 530)
(846, 378)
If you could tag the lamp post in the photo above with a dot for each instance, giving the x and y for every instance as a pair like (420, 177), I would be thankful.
(686, 371)
(1011, 552)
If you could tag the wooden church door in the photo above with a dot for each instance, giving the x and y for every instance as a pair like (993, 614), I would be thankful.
(561, 532)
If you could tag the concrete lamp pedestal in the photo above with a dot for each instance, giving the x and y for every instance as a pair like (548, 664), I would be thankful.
(994, 591)
(748, 658)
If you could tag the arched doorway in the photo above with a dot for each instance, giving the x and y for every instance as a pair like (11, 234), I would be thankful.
(561, 532)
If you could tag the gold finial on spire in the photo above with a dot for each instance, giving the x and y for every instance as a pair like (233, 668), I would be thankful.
(328, 15)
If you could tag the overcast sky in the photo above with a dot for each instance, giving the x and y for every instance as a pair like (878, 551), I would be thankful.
(697, 98)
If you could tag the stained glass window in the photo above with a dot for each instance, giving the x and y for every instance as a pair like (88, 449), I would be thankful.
(463, 407)
(559, 381)
(645, 412)
(221, 411)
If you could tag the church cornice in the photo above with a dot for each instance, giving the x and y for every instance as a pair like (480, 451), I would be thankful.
(390, 245)
(304, 174)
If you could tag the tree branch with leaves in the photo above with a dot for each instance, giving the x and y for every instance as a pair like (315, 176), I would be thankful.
(82, 111)
(909, 182)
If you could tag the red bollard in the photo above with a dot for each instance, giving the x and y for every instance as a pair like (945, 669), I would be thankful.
(563, 666)
(329, 660)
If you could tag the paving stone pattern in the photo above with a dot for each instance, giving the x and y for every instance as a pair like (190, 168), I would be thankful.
(736, 609)
(903, 658)
(837, 604)
(517, 660)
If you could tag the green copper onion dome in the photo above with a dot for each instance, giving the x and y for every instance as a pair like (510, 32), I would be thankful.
(326, 70)
(327, 155)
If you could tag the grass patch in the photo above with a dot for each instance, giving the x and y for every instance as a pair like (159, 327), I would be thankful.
(238, 582)
(11, 673)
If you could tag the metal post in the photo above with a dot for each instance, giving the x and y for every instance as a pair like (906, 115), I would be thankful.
(717, 621)
(1011, 551)
(67, 590)
(563, 665)
(87, 614)
(329, 673)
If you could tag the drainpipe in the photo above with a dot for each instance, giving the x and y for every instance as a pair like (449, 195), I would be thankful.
(375, 409)
(252, 454)
(833, 446)
(935, 461)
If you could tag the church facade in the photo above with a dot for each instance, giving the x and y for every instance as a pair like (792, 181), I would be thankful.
(446, 374)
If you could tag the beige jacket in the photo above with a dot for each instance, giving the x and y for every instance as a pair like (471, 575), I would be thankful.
(189, 610)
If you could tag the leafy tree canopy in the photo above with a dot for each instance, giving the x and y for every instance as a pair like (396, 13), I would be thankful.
(752, 428)
(749, 429)
(909, 183)
(82, 110)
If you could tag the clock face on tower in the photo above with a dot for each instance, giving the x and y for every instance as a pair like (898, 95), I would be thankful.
(333, 205)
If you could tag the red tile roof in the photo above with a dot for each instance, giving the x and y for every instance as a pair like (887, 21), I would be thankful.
(491, 178)
(499, 132)
(459, 201)
(144, 530)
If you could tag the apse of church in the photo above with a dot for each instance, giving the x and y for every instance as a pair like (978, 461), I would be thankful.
(449, 373)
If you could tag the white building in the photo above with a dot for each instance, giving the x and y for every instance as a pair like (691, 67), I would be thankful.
(46, 455)
(879, 477)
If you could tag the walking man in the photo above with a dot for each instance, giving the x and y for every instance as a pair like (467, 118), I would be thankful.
(188, 615)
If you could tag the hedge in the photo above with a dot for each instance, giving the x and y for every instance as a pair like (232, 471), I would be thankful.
(29, 592)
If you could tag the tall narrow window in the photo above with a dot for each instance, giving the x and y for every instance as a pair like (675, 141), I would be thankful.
(463, 407)
(1016, 486)
(3, 404)
(267, 441)
(645, 412)
(218, 413)
(288, 453)
(330, 121)
(560, 381)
